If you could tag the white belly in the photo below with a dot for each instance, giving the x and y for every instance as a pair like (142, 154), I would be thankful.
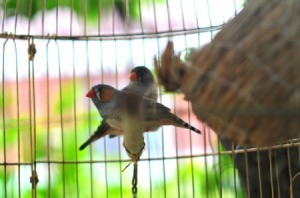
(147, 126)
(114, 123)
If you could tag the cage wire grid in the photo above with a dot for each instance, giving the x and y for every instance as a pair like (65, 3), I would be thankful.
(45, 117)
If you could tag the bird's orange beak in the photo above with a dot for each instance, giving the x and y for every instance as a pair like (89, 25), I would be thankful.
(91, 94)
(133, 76)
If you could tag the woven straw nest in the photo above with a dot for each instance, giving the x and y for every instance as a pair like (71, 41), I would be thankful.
(245, 83)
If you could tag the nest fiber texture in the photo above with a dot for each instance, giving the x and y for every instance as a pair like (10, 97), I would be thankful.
(246, 83)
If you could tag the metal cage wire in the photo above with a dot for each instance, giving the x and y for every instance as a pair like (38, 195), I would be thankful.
(45, 116)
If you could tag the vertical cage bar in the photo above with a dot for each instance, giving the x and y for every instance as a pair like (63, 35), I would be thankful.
(75, 119)
(163, 139)
(71, 18)
(169, 16)
(119, 139)
(259, 173)
(234, 170)
(176, 152)
(18, 117)
(48, 118)
(182, 16)
(196, 13)
(16, 15)
(56, 17)
(235, 9)
(220, 167)
(74, 100)
(34, 180)
(191, 151)
(3, 117)
(141, 23)
(188, 107)
(209, 14)
(289, 165)
(211, 146)
(216, 160)
(163, 152)
(30, 123)
(149, 164)
(34, 173)
(43, 16)
(147, 135)
(271, 170)
(61, 120)
(4, 15)
(205, 161)
(298, 150)
(29, 16)
(189, 119)
(277, 174)
(104, 139)
(99, 17)
(127, 17)
(84, 7)
(113, 16)
(89, 114)
(155, 19)
(247, 173)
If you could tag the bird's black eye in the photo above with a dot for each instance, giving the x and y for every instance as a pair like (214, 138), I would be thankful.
(141, 78)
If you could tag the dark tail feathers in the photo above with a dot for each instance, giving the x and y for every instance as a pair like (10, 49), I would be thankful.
(89, 141)
(102, 128)
(186, 125)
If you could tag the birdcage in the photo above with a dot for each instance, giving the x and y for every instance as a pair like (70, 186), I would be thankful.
(54, 51)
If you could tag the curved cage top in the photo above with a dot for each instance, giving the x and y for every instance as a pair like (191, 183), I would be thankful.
(113, 19)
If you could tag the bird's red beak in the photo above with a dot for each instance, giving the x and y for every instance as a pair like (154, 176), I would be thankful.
(133, 76)
(91, 94)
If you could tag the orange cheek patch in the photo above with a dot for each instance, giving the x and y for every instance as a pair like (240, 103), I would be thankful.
(106, 95)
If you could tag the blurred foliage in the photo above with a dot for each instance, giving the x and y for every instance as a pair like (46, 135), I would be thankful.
(66, 102)
(89, 8)
(7, 100)
(11, 134)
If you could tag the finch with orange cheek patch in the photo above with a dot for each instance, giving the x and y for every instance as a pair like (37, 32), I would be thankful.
(141, 82)
(132, 115)
(109, 101)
